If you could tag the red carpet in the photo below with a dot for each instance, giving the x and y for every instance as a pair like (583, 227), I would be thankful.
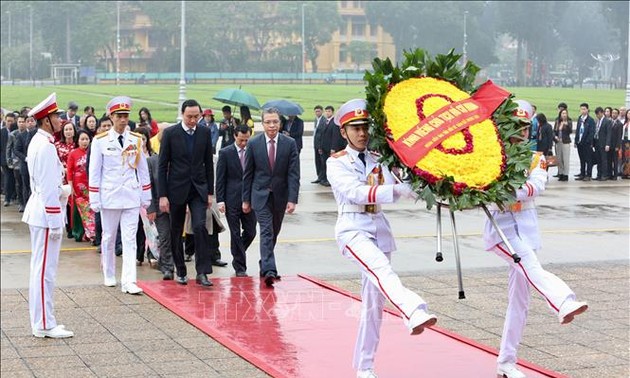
(306, 328)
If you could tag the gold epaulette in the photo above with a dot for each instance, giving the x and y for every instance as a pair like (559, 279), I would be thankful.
(137, 135)
(535, 160)
(101, 135)
(339, 154)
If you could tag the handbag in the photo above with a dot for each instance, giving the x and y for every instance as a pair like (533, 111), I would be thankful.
(552, 161)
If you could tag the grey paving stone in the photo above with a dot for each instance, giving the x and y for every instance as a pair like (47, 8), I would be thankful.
(53, 363)
(150, 357)
(127, 370)
(18, 374)
(45, 351)
(224, 365)
(76, 372)
(109, 359)
(98, 348)
(187, 368)
(13, 364)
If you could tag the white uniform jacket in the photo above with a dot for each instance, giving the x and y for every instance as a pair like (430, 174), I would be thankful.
(520, 219)
(44, 207)
(119, 176)
(348, 178)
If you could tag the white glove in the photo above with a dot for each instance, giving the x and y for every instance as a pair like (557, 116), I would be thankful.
(96, 207)
(54, 233)
(404, 190)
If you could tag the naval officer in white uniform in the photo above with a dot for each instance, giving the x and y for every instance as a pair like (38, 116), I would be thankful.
(519, 223)
(45, 219)
(119, 184)
(360, 185)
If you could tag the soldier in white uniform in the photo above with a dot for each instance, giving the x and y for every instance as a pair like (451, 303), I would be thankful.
(119, 185)
(360, 185)
(45, 219)
(519, 223)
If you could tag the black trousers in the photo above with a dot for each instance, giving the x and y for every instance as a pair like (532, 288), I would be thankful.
(198, 207)
(242, 233)
(270, 222)
(9, 183)
(322, 177)
(318, 164)
(586, 160)
(601, 157)
(141, 240)
(26, 183)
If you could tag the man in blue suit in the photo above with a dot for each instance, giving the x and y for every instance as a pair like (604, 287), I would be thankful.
(584, 133)
(271, 183)
(229, 191)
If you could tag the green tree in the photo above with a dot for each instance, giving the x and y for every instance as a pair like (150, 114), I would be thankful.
(321, 19)
(360, 52)
(434, 26)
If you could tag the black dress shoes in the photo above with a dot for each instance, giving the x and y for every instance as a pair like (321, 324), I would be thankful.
(219, 263)
(203, 280)
(241, 274)
(315, 182)
(168, 276)
(270, 278)
(182, 280)
(325, 183)
(187, 258)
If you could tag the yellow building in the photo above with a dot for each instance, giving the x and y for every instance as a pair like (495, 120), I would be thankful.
(137, 49)
(334, 55)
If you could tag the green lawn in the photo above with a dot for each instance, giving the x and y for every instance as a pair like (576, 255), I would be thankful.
(162, 99)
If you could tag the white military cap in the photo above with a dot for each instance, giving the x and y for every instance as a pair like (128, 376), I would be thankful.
(45, 108)
(119, 104)
(353, 113)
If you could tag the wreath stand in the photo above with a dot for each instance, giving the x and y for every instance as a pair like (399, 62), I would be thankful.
(438, 255)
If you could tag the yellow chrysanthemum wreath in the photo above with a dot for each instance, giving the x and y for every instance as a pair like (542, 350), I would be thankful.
(474, 166)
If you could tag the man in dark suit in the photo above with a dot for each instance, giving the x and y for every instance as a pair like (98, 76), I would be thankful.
(186, 178)
(271, 183)
(294, 127)
(71, 114)
(7, 172)
(331, 142)
(584, 133)
(600, 138)
(229, 191)
(613, 144)
(319, 121)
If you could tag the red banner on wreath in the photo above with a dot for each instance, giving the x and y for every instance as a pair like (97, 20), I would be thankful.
(448, 120)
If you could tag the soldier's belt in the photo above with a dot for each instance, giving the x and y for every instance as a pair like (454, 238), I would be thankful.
(515, 207)
(371, 209)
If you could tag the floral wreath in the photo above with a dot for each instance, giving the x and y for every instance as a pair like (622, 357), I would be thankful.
(417, 104)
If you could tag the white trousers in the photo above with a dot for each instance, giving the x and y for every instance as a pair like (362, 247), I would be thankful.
(44, 260)
(128, 220)
(527, 273)
(379, 282)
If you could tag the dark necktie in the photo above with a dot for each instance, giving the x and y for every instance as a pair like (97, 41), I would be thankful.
(272, 153)
(120, 140)
(362, 158)
(190, 131)
(241, 156)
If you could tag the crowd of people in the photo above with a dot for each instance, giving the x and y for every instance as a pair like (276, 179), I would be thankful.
(113, 179)
(602, 141)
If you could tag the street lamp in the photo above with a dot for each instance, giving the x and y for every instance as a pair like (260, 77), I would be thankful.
(465, 58)
(30, 42)
(9, 35)
(118, 43)
(303, 46)
(182, 73)
(628, 75)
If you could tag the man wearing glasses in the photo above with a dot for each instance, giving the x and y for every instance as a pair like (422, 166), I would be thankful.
(271, 182)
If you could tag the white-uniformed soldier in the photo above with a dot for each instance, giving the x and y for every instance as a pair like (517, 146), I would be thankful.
(519, 223)
(45, 219)
(119, 185)
(360, 185)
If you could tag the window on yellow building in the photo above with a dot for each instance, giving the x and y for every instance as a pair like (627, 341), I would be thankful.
(358, 29)
(343, 53)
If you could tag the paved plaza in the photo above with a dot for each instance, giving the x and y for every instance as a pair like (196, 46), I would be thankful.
(585, 231)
